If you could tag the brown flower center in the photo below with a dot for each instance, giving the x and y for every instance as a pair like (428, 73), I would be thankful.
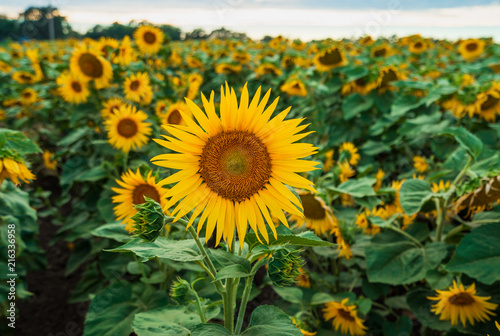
(489, 103)
(90, 65)
(135, 85)
(312, 208)
(114, 108)
(27, 94)
(345, 315)
(418, 45)
(389, 76)
(127, 128)
(380, 52)
(331, 57)
(472, 46)
(76, 86)
(461, 299)
(149, 37)
(235, 164)
(145, 190)
(174, 117)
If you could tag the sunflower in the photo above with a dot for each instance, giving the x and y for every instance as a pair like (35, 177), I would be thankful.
(194, 63)
(73, 88)
(294, 87)
(488, 103)
(14, 169)
(420, 164)
(107, 46)
(88, 64)
(23, 77)
(303, 279)
(364, 223)
(241, 57)
(344, 318)
(471, 48)
(48, 160)
(361, 86)
(460, 303)
(346, 171)
(348, 151)
(228, 69)
(125, 54)
(5, 67)
(458, 108)
(233, 169)
(136, 86)
(366, 41)
(127, 129)
(175, 114)
(329, 161)
(418, 46)
(329, 59)
(387, 75)
(111, 106)
(441, 186)
(28, 96)
(383, 50)
(149, 39)
(379, 177)
(317, 215)
(268, 69)
(195, 80)
(161, 107)
(134, 188)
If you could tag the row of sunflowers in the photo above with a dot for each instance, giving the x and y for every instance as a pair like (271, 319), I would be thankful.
(381, 219)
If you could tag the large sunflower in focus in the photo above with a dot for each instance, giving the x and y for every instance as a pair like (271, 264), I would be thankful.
(149, 39)
(233, 168)
(460, 303)
(127, 129)
(471, 48)
(87, 63)
(134, 188)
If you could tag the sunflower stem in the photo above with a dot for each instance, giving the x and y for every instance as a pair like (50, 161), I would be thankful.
(243, 304)
(410, 237)
(439, 219)
(125, 161)
(229, 306)
(203, 318)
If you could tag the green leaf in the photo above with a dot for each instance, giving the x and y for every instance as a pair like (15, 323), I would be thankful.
(357, 188)
(403, 104)
(307, 238)
(225, 258)
(478, 254)
(381, 222)
(114, 231)
(233, 271)
(290, 294)
(467, 140)
(73, 136)
(322, 298)
(355, 104)
(372, 148)
(94, 174)
(403, 326)
(210, 329)
(17, 141)
(112, 311)
(178, 250)
(270, 321)
(402, 262)
(438, 280)
(413, 194)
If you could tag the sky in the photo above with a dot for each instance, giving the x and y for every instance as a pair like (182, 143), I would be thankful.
(304, 19)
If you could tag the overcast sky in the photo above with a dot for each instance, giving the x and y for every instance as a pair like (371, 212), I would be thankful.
(305, 19)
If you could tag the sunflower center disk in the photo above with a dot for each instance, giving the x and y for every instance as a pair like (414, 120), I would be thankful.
(490, 102)
(145, 190)
(90, 65)
(127, 128)
(76, 86)
(174, 118)
(235, 165)
(134, 85)
(471, 46)
(346, 315)
(149, 37)
(461, 299)
(312, 208)
(330, 58)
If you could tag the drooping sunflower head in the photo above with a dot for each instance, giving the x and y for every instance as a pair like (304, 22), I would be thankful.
(111, 107)
(48, 160)
(87, 63)
(133, 189)
(460, 303)
(73, 88)
(344, 317)
(488, 104)
(383, 50)
(14, 169)
(366, 40)
(127, 129)
(387, 75)
(317, 215)
(329, 59)
(471, 48)
(294, 87)
(136, 86)
(149, 39)
(233, 168)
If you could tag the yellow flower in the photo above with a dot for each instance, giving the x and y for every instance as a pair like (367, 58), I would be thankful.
(317, 215)
(127, 129)
(294, 87)
(267, 69)
(387, 75)
(420, 164)
(344, 318)
(329, 59)
(471, 48)
(134, 188)
(303, 279)
(233, 168)
(149, 39)
(441, 186)
(87, 63)
(380, 176)
(106, 45)
(111, 106)
(346, 172)
(173, 115)
(241, 57)
(228, 69)
(23, 77)
(194, 62)
(363, 222)
(460, 303)
(73, 88)
(14, 170)
(136, 86)
(488, 103)
(125, 54)
(361, 86)
(383, 50)
(348, 151)
(28, 96)
(328, 160)
(48, 160)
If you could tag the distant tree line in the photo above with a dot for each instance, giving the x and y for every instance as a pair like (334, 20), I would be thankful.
(42, 23)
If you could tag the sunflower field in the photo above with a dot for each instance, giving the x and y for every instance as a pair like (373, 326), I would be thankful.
(270, 188)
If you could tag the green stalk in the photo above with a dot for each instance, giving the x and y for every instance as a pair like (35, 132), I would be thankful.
(229, 307)
(413, 239)
(243, 304)
(203, 318)
(439, 219)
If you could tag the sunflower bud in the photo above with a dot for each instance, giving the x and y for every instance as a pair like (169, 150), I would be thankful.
(149, 220)
(180, 290)
(284, 267)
